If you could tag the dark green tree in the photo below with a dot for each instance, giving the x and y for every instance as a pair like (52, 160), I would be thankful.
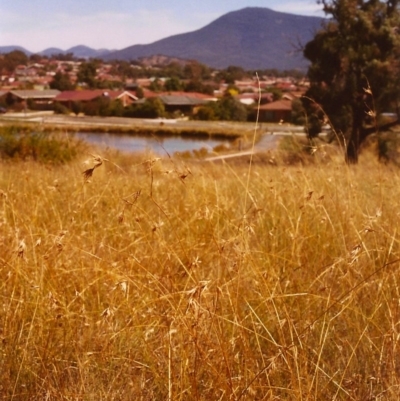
(87, 73)
(354, 70)
(198, 86)
(12, 59)
(36, 58)
(150, 108)
(100, 106)
(226, 109)
(64, 57)
(173, 84)
(139, 92)
(276, 93)
(174, 69)
(196, 71)
(230, 109)
(61, 82)
(232, 74)
(76, 107)
(156, 85)
(207, 113)
(116, 108)
(298, 114)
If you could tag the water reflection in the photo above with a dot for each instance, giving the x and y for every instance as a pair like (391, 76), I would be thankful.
(133, 143)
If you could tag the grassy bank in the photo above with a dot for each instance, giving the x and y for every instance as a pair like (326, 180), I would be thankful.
(136, 127)
(152, 279)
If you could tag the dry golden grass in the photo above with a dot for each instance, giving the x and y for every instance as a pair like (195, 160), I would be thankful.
(153, 280)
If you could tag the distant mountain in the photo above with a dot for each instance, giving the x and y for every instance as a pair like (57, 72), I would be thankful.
(8, 49)
(50, 51)
(253, 38)
(80, 51)
(87, 52)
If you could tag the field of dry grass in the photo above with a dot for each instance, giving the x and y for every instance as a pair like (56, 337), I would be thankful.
(152, 279)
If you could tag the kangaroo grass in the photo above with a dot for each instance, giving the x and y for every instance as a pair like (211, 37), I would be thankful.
(143, 277)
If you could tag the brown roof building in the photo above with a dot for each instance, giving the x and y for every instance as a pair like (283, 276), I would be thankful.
(69, 97)
(278, 111)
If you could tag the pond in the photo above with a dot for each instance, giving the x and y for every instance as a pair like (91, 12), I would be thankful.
(134, 143)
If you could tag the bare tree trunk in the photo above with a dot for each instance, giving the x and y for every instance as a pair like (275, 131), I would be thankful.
(359, 134)
(352, 150)
(355, 140)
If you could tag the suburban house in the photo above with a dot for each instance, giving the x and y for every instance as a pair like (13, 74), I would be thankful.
(252, 98)
(38, 99)
(67, 98)
(278, 111)
(183, 102)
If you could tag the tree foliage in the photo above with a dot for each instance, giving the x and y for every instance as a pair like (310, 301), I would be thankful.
(198, 86)
(354, 68)
(11, 60)
(232, 74)
(150, 108)
(61, 82)
(156, 85)
(173, 84)
(87, 73)
(226, 109)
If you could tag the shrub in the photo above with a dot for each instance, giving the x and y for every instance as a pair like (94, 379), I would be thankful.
(60, 108)
(25, 144)
(150, 108)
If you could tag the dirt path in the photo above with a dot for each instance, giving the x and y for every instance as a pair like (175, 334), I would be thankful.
(266, 143)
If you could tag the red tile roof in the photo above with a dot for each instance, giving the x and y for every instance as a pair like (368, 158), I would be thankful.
(87, 95)
(278, 105)
(196, 95)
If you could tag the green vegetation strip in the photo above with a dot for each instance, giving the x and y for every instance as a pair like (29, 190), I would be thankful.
(159, 129)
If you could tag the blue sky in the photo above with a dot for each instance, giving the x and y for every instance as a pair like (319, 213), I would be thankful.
(115, 24)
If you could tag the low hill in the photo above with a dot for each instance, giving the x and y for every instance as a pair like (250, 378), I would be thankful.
(253, 38)
(8, 49)
(79, 51)
(50, 51)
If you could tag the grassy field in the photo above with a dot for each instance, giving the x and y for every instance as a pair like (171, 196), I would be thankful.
(163, 279)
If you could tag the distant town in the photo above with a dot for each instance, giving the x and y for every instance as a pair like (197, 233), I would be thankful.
(152, 87)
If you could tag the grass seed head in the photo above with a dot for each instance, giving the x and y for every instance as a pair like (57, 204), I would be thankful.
(87, 174)
(21, 249)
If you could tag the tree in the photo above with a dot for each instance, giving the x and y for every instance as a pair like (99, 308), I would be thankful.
(232, 74)
(226, 109)
(354, 68)
(298, 117)
(150, 108)
(116, 108)
(173, 84)
(64, 57)
(36, 58)
(174, 69)
(156, 85)
(198, 86)
(276, 93)
(61, 82)
(76, 107)
(139, 92)
(12, 59)
(87, 73)
(196, 71)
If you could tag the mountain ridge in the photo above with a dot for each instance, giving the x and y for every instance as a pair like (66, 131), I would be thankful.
(79, 51)
(252, 38)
